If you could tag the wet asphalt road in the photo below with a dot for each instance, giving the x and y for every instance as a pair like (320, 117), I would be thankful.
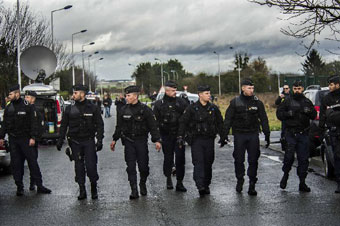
(224, 206)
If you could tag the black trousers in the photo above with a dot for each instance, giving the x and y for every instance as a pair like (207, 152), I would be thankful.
(246, 142)
(336, 151)
(85, 160)
(21, 151)
(171, 149)
(136, 152)
(31, 175)
(298, 143)
(203, 156)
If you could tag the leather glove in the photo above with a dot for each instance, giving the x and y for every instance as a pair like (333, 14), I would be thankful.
(223, 141)
(290, 113)
(306, 110)
(59, 144)
(99, 145)
(180, 142)
(267, 139)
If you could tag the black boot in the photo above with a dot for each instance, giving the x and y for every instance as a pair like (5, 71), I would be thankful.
(201, 191)
(94, 191)
(338, 188)
(134, 191)
(283, 182)
(82, 192)
(43, 190)
(303, 186)
(32, 185)
(20, 190)
(239, 185)
(180, 187)
(142, 187)
(251, 190)
(207, 190)
(169, 184)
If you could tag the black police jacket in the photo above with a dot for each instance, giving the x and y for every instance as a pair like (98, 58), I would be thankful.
(136, 121)
(83, 121)
(20, 120)
(279, 99)
(167, 112)
(330, 106)
(199, 120)
(299, 120)
(246, 114)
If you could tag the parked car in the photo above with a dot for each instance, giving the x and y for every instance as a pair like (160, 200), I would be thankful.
(5, 158)
(50, 105)
(319, 140)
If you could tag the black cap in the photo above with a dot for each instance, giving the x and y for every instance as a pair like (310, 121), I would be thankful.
(31, 93)
(171, 84)
(132, 89)
(334, 79)
(298, 83)
(80, 88)
(14, 88)
(203, 88)
(247, 82)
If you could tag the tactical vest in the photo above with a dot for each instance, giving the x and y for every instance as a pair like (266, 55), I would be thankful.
(170, 112)
(134, 124)
(18, 119)
(246, 116)
(81, 124)
(204, 121)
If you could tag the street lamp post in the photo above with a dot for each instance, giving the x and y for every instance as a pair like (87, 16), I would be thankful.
(88, 58)
(64, 8)
(219, 73)
(132, 65)
(18, 44)
(162, 77)
(82, 56)
(167, 74)
(239, 74)
(95, 74)
(73, 73)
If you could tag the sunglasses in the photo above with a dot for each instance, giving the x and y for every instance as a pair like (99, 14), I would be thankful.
(285, 88)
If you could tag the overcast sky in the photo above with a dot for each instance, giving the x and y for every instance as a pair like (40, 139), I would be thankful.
(134, 31)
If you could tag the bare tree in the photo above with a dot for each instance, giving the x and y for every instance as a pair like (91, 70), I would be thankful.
(308, 18)
(34, 30)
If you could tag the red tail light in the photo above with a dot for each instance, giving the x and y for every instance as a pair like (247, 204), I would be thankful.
(58, 113)
(317, 108)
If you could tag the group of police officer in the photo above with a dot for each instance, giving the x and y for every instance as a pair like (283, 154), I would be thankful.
(172, 123)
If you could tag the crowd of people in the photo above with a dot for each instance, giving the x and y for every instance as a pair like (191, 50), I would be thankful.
(173, 123)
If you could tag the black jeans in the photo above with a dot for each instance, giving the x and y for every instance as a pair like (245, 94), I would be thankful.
(246, 142)
(203, 156)
(299, 143)
(85, 160)
(21, 151)
(136, 152)
(170, 148)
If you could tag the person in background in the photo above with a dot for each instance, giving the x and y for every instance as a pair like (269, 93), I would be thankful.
(284, 95)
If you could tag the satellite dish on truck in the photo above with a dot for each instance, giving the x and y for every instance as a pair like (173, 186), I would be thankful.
(38, 63)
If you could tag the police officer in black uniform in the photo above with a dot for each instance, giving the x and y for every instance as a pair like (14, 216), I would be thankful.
(330, 118)
(83, 121)
(296, 111)
(284, 95)
(30, 97)
(134, 122)
(20, 123)
(201, 122)
(244, 115)
(168, 111)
